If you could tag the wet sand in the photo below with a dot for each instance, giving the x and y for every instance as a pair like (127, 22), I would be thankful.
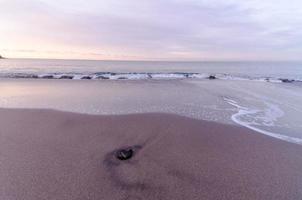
(47, 154)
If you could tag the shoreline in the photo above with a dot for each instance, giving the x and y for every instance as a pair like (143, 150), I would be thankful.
(48, 154)
(244, 111)
(207, 100)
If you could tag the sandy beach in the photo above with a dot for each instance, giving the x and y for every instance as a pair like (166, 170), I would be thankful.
(46, 154)
(150, 100)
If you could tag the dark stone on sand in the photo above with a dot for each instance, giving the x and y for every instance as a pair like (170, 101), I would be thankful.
(1, 57)
(122, 78)
(124, 154)
(212, 77)
(285, 80)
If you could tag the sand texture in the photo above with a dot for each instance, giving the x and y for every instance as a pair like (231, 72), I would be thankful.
(55, 155)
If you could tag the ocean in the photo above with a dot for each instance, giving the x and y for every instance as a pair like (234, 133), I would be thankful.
(263, 96)
(77, 69)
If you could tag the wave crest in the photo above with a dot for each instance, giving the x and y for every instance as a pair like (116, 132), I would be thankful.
(142, 76)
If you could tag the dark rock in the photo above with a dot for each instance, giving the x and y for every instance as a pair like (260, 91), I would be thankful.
(186, 75)
(26, 76)
(103, 77)
(86, 77)
(122, 78)
(66, 77)
(212, 77)
(285, 80)
(47, 76)
(124, 154)
(34, 76)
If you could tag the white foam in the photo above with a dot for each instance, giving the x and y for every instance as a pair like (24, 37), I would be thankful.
(143, 76)
(231, 77)
(130, 76)
(168, 76)
(199, 76)
(78, 77)
(268, 117)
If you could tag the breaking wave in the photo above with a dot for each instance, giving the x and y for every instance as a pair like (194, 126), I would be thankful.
(256, 119)
(142, 76)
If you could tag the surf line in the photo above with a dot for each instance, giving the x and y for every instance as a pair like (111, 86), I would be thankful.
(243, 111)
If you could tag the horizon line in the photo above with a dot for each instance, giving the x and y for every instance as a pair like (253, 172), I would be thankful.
(147, 60)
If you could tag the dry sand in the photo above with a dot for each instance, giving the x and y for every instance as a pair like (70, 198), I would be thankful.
(56, 156)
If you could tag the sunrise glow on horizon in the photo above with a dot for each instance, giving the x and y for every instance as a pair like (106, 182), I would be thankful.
(151, 29)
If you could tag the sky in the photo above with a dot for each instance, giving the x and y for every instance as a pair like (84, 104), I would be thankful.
(186, 30)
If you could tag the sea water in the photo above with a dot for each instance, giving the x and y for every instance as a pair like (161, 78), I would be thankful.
(263, 96)
(77, 69)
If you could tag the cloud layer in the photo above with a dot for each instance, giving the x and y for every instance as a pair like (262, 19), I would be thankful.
(152, 29)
